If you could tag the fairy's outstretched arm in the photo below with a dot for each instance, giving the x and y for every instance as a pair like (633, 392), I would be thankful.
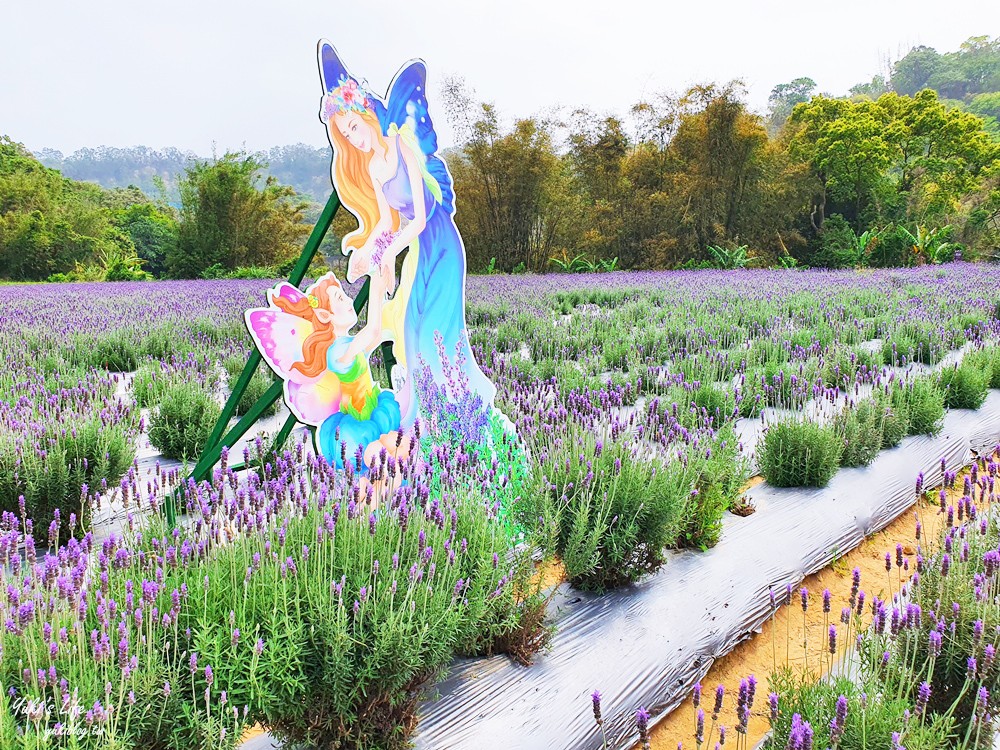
(361, 258)
(370, 336)
(413, 229)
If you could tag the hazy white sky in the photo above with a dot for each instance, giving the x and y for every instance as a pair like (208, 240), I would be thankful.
(188, 73)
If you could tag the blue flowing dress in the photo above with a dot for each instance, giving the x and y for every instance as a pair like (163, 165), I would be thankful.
(437, 299)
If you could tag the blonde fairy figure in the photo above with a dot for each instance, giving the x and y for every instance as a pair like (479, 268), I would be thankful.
(387, 173)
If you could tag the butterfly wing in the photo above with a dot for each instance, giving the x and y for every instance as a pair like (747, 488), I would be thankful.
(408, 106)
(331, 69)
(284, 291)
(279, 338)
(312, 403)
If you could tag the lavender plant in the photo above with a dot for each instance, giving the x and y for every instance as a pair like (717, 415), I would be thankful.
(181, 424)
(799, 454)
(316, 604)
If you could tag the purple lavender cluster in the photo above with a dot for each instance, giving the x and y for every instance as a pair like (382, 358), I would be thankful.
(452, 411)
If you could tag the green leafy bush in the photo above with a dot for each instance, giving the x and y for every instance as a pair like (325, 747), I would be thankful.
(860, 430)
(609, 514)
(117, 351)
(716, 404)
(64, 465)
(324, 623)
(259, 382)
(180, 426)
(910, 346)
(799, 454)
(836, 245)
(964, 386)
(720, 473)
(894, 420)
(922, 403)
(988, 360)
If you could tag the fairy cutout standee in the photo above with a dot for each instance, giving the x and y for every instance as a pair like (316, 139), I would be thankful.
(386, 171)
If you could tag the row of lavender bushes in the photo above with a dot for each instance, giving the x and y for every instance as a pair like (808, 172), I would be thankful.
(796, 453)
(723, 343)
(923, 675)
(310, 602)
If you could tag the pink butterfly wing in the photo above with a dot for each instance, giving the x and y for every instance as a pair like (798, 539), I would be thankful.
(313, 402)
(279, 338)
(286, 291)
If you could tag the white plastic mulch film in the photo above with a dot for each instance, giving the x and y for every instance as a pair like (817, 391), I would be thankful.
(649, 644)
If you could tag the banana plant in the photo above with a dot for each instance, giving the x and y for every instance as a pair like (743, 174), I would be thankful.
(926, 241)
(729, 257)
(865, 242)
(565, 264)
(608, 265)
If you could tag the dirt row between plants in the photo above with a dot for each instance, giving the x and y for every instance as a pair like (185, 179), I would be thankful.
(790, 629)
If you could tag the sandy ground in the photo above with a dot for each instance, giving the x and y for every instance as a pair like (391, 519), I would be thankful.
(789, 629)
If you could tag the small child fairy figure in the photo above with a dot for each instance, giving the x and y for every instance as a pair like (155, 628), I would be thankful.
(306, 339)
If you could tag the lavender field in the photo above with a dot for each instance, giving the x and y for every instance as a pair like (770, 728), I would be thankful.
(308, 602)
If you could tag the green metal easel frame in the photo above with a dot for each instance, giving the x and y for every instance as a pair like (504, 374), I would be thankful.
(221, 437)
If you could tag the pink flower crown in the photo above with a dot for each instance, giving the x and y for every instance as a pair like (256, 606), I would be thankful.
(349, 96)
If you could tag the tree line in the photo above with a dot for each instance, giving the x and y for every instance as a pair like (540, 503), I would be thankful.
(894, 174)
(904, 170)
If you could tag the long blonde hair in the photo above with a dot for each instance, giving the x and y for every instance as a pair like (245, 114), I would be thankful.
(354, 182)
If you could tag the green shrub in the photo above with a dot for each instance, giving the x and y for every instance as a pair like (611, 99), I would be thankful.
(894, 421)
(150, 382)
(83, 450)
(860, 431)
(913, 346)
(836, 245)
(158, 343)
(964, 386)
(260, 381)
(180, 426)
(842, 364)
(922, 402)
(751, 401)
(716, 403)
(987, 360)
(799, 454)
(118, 351)
(893, 246)
(324, 623)
(720, 473)
(609, 514)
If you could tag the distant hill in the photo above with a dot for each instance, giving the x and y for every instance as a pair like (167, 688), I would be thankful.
(156, 171)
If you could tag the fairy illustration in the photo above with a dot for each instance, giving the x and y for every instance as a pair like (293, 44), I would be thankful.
(305, 338)
(387, 173)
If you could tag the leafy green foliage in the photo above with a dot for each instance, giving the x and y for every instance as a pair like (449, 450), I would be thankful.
(54, 472)
(799, 454)
(613, 520)
(256, 387)
(180, 426)
(964, 386)
(923, 404)
(860, 428)
(231, 217)
(988, 360)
